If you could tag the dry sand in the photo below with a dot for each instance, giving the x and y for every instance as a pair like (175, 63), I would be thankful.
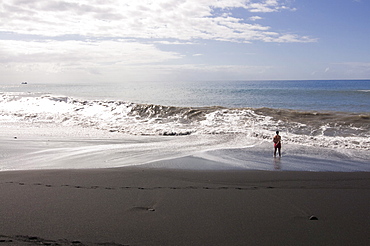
(146, 206)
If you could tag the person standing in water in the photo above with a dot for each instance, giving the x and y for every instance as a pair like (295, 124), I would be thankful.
(277, 143)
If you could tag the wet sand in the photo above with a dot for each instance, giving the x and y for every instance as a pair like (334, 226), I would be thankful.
(152, 206)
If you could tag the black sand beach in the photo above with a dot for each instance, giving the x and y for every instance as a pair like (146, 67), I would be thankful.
(146, 206)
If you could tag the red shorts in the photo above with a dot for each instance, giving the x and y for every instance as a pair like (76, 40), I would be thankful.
(277, 145)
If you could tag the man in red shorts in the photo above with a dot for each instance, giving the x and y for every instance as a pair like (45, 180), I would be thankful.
(277, 143)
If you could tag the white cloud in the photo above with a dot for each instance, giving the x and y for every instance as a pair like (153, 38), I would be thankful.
(254, 18)
(173, 42)
(162, 19)
(115, 61)
(57, 56)
(287, 38)
(266, 6)
(121, 39)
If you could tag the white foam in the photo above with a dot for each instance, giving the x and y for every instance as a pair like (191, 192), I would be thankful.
(134, 119)
(25, 147)
(52, 146)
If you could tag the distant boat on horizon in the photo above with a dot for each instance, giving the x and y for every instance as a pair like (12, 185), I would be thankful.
(24, 83)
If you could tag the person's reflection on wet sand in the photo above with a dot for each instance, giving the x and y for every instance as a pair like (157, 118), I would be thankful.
(277, 163)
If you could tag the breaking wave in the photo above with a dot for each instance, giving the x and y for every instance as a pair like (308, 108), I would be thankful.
(327, 129)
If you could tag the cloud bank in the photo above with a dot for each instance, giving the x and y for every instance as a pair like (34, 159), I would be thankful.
(93, 35)
(162, 19)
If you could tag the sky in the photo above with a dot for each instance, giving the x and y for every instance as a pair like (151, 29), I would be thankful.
(85, 41)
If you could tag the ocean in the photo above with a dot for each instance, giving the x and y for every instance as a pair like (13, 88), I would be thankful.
(229, 122)
(317, 95)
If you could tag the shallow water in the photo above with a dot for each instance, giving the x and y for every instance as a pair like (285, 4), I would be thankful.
(207, 153)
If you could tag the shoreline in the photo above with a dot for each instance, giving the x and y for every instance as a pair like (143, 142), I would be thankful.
(157, 206)
(32, 148)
